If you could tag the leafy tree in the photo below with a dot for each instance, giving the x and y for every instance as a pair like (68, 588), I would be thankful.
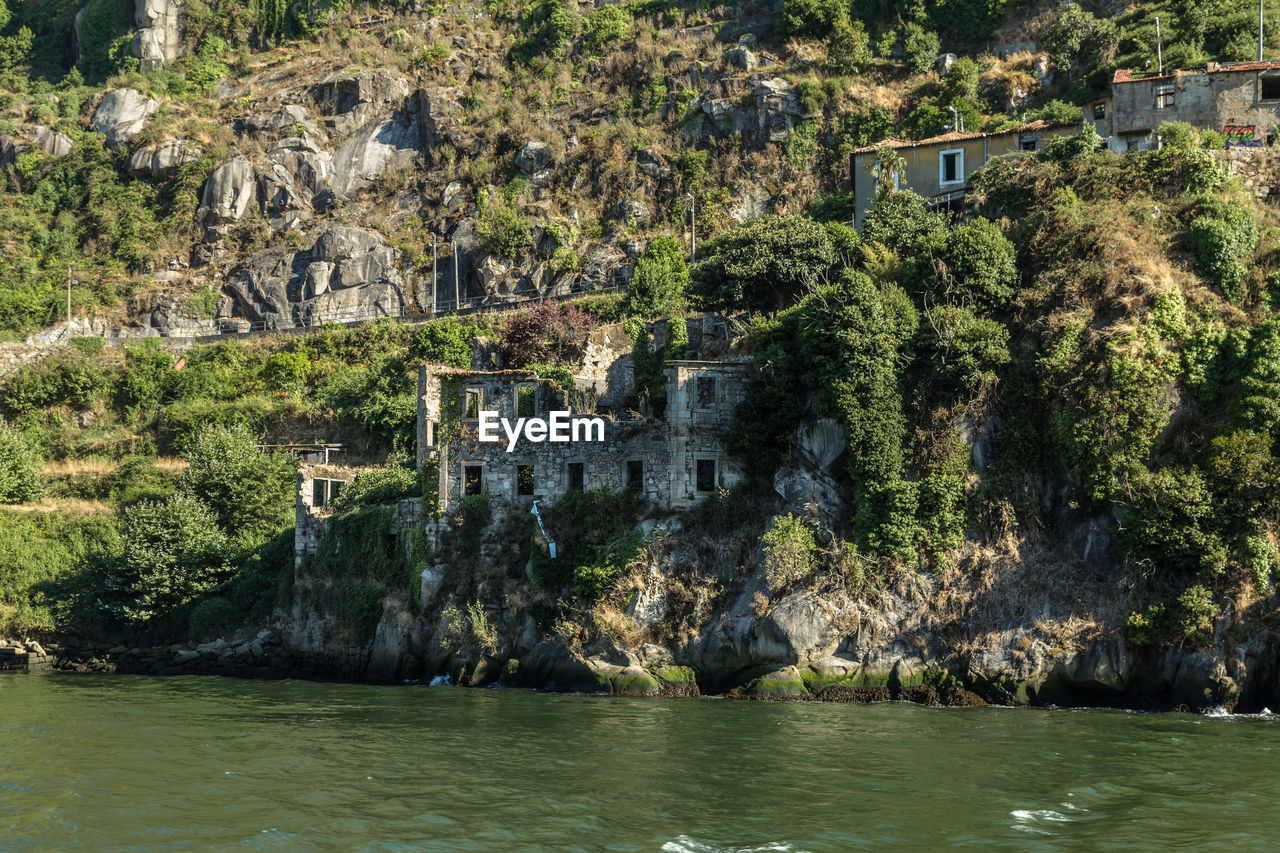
(903, 222)
(979, 263)
(789, 548)
(961, 80)
(249, 492)
(764, 264)
(967, 349)
(378, 485)
(1170, 525)
(547, 333)
(1077, 38)
(925, 121)
(173, 551)
(19, 467)
(847, 50)
(1223, 241)
(661, 281)
(920, 47)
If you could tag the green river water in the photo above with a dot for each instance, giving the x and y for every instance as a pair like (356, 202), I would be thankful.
(191, 763)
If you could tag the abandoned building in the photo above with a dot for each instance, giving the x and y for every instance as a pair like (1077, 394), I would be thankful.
(1241, 100)
(939, 168)
(673, 461)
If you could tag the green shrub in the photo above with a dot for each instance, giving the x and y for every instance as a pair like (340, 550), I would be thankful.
(250, 492)
(1077, 38)
(378, 486)
(500, 229)
(1193, 619)
(173, 551)
(88, 346)
(138, 479)
(920, 48)
(472, 517)
(1257, 406)
(606, 28)
(967, 349)
(660, 285)
(1263, 559)
(287, 371)
(1170, 526)
(1224, 242)
(764, 264)
(444, 341)
(789, 549)
(847, 49)
(356, 604)
(214, 617)
(20, 464)
(980, 264)
(903, 222)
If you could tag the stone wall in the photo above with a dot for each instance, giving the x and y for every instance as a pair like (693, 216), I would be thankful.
(312, 509)
(1212, 98)
(1257, 168)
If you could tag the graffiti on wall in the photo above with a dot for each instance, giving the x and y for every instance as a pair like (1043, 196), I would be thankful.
(1241, 135)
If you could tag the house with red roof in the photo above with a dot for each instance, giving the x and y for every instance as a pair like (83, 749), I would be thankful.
(938, 168)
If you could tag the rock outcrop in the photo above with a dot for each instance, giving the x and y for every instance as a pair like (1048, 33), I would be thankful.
(228, 195)
(122, 115)
(158, 39)
(162, 160)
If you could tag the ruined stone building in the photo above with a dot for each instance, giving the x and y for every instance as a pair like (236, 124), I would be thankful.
(674, 460)
(1241, 100)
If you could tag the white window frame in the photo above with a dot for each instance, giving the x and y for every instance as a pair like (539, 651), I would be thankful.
(942, 167)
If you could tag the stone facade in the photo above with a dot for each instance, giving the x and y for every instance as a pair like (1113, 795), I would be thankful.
(1240, 100)
(674, 461)
(318, 485)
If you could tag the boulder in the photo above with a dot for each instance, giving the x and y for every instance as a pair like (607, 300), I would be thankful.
(162, 160)
(228, 194)
(338, 95)
(386, 143)
(533, 156)
(289, 120)
(10, 148)
(122, 115)
(51, 142)
(651, 164)
(945, 61)
(630, 211)
(159, 33)
(773, 683)
(798, 629)
(742, 59)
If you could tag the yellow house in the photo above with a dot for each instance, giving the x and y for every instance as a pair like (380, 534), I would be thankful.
(939, 168)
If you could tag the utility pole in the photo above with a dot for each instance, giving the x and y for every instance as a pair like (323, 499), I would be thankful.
(693, 229)
(1160, 50)
(68, 298)
(434, 275)
(457, 298)
(1259, 30)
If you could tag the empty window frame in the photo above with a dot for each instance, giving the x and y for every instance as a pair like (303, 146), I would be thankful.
(524, 480)
(432, 428)
(472, 480)
(1099, 112)
(577, 476)
(335, 488)
(951, 167)
(319, 493)
(526, 401)
(474, 398)
(1029, 143)
(635, 475)
(1270, 88)
(1164, 97)
(705, 475)
(705, 391)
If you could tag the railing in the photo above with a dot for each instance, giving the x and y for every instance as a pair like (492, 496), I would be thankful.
(236, 326)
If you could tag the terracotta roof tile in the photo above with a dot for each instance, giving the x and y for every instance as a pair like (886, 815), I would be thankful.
(954, 136)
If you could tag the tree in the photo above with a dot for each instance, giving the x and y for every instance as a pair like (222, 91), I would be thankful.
(19, 467)
(661, 282)
(444, 341)
(606, 28)
(249, 492)
(847, 50)
(903, 222)
(1077, 38)
(920, 47)
(980, 263)
(886, 166)
(765, 264)
(961, 80)
(173, 551)
(967, 349)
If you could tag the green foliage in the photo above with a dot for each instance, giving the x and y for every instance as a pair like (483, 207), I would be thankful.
(1077, 38)
(902, 222)
(444, 341)
(595, 541)
(287, 371)
(213, 617)
(1224, 241)
(547, 25)
(606, 28)
(100, 27)
(1194, 616)
(847, 48)
(138, 479)
(764, 264)
(378, 486)
(980, 264)
(1263, 559)
(961, 80)
(967, 349)
(1170, 527)
(1056, 111)
(19, 467)
(660, 284)
(802, 142)
(250, 492)
(70, 379)
(861, 126)
(1257, 405)
(172, 552)
(926, 121)
(500, 228)
(789, 549)
(473, 516)
(920, 48)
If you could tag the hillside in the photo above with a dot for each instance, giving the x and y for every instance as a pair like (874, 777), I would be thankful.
(1046, 429)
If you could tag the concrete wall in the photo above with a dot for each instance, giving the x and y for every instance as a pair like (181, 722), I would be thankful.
(310, 519)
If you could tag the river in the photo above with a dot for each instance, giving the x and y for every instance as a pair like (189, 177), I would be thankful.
(203, 763)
